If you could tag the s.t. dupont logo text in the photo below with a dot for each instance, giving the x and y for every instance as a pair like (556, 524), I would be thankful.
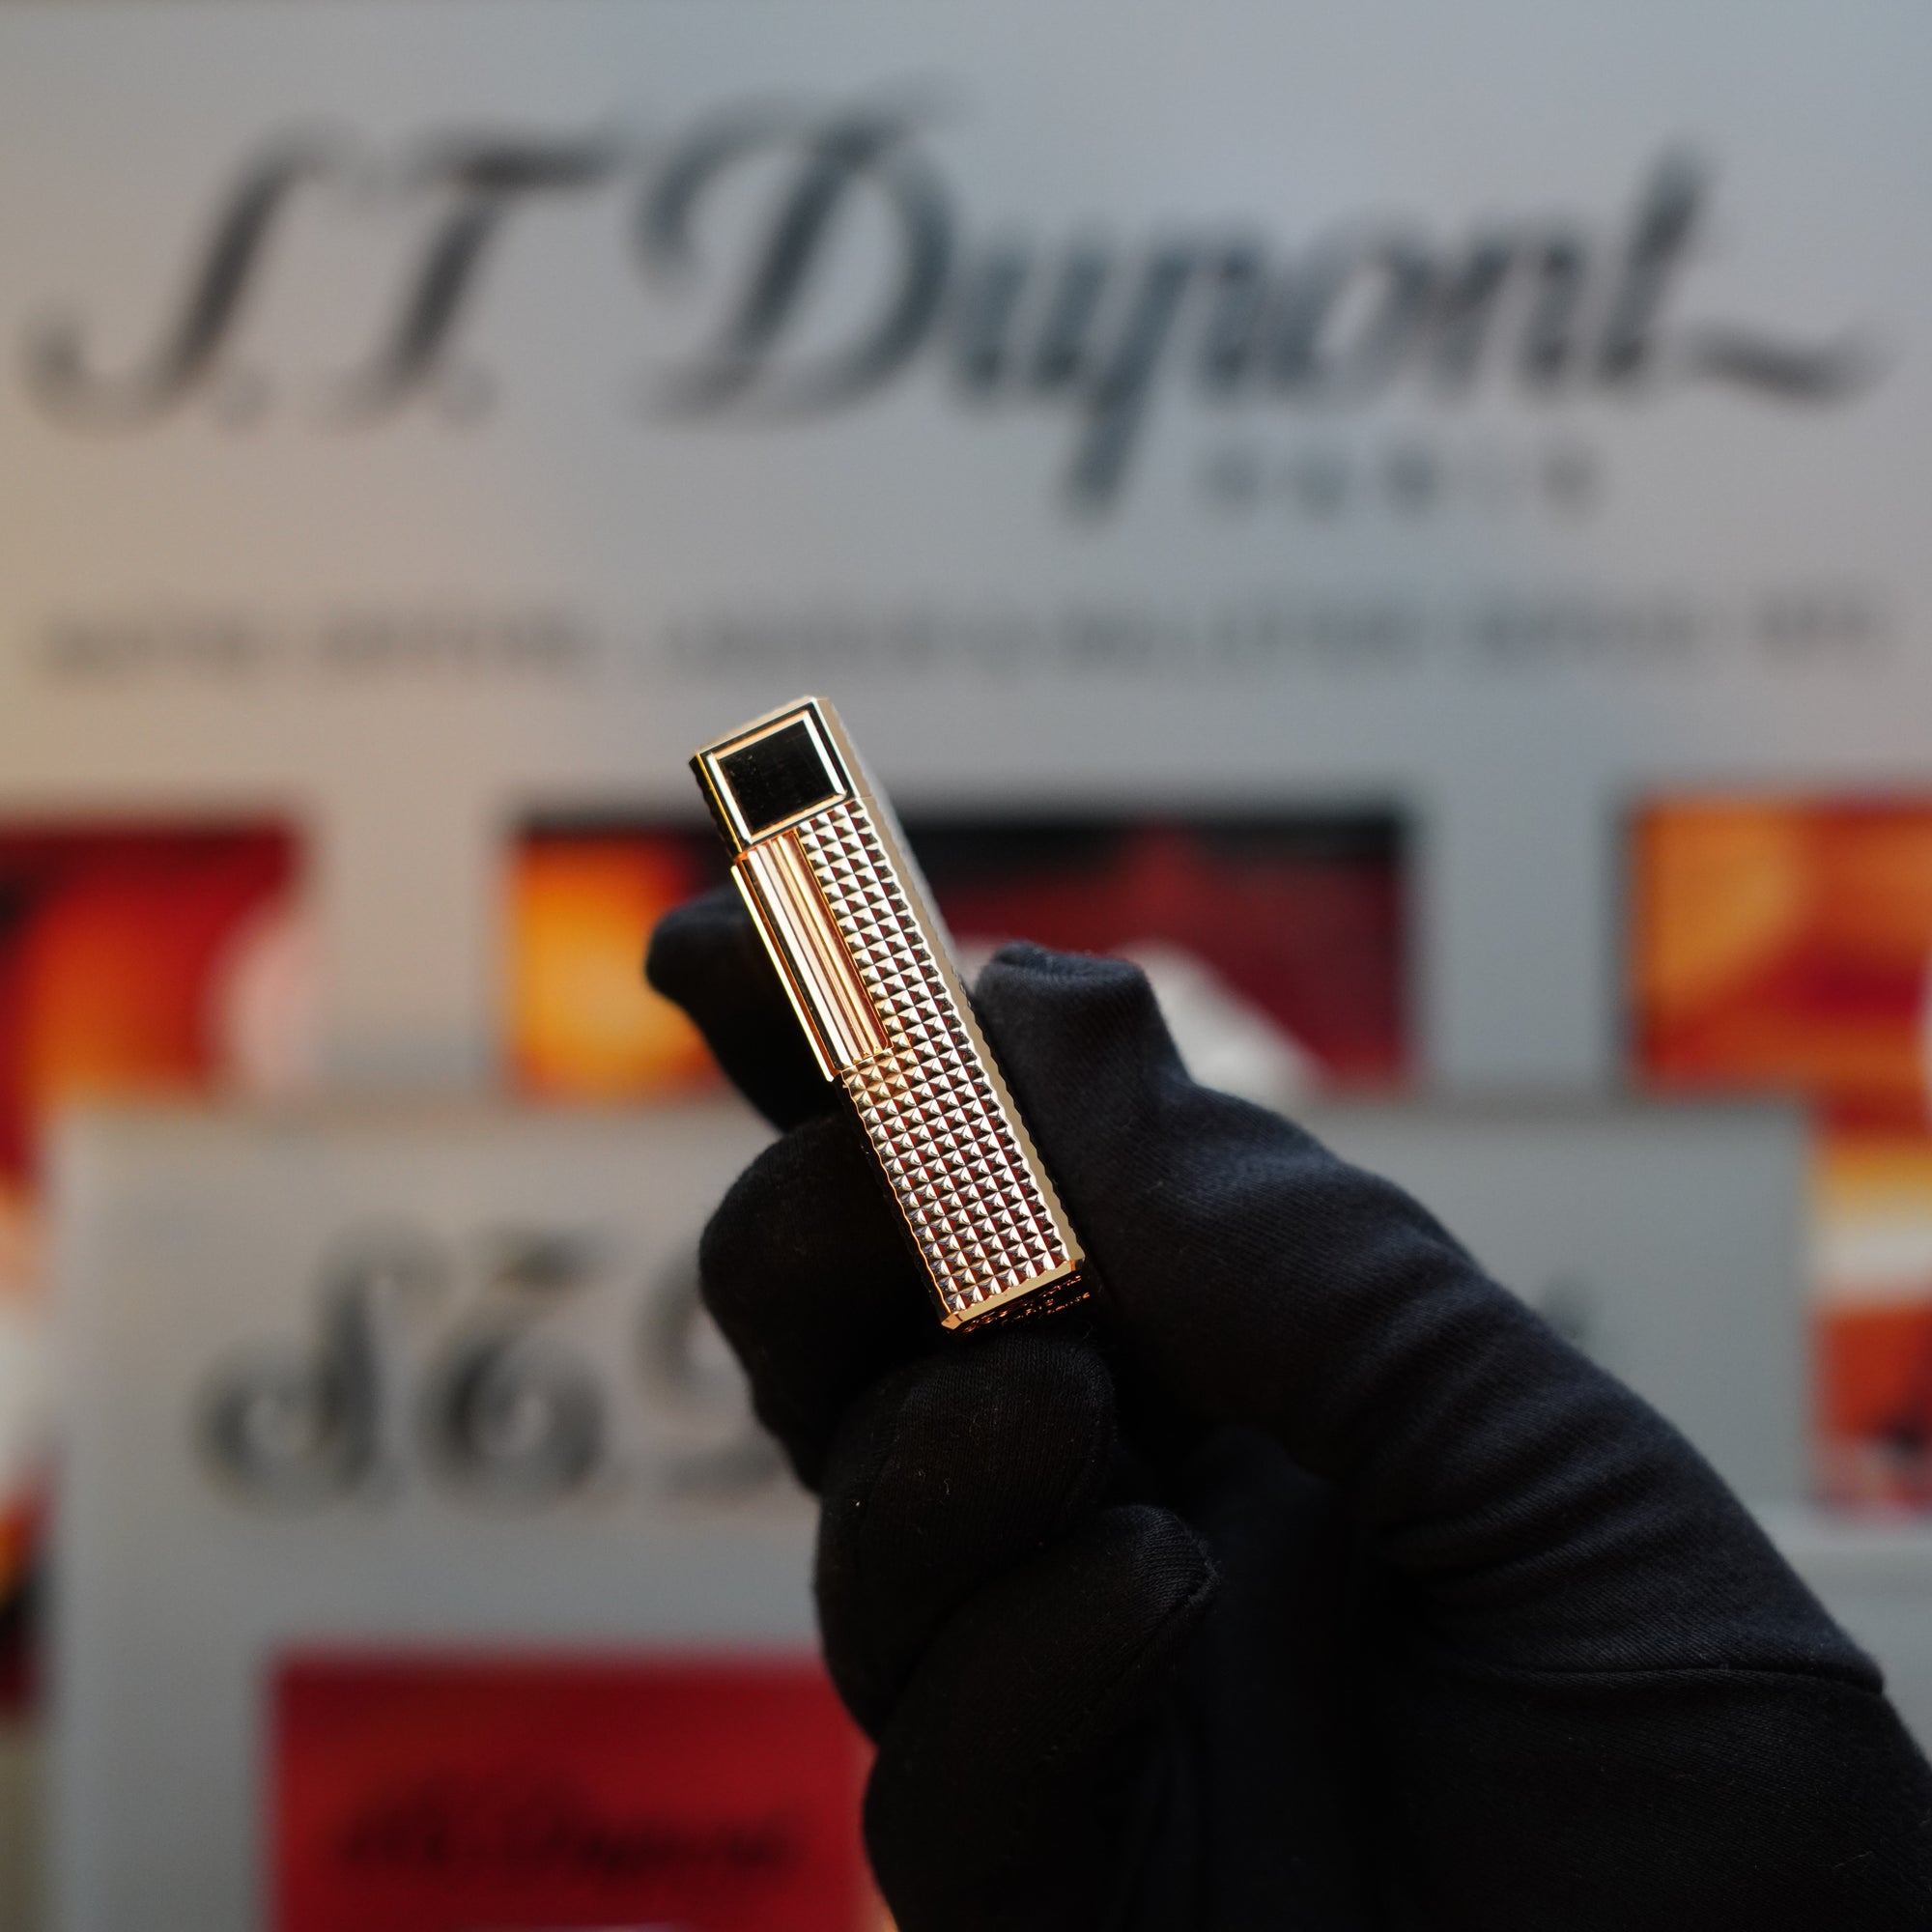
(826, 258)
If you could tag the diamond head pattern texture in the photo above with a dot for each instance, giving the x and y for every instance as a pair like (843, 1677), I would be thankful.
(939, 1129)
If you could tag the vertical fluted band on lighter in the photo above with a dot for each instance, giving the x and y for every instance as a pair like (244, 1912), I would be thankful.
(866, 964)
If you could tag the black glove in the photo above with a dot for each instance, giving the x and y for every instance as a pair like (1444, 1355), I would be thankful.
(1312, 1581)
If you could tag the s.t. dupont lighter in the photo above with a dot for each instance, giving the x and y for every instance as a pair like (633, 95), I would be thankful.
(867, 966)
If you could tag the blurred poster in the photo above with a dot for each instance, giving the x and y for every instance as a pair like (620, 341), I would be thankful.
(419, 1793)
(399, 1453)
(1279, 946)
(1784, 944)
(415, 413)
(136, 960)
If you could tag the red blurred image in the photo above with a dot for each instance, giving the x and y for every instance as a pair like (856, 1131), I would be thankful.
(1297, 925)
(135, 962)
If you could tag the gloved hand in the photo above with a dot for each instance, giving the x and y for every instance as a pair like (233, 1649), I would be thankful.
(1310, 1581)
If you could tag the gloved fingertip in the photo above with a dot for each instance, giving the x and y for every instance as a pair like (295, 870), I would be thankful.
(706, 956)
(1070, 1027)
(1023, 977)
(1005, 1438)
(1091, 970)
(1168, 1563)
(688, 942)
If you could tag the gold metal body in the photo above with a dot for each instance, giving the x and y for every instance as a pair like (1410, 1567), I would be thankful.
(868, 968)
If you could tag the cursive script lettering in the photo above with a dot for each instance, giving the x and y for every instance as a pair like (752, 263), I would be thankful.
(747, 224)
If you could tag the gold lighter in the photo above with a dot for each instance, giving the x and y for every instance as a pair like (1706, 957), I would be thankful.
(867, 966)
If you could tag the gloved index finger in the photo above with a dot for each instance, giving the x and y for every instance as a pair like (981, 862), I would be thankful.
(707, 956)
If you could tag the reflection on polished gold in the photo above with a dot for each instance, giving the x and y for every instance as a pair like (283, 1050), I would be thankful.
(864, 962)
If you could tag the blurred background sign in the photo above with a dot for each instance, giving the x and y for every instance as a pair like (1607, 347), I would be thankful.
(409, 1502)
(1405, 523)
(417, 415)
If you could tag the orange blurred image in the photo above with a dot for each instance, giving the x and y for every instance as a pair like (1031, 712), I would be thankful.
(582, 1024)
(1783, 945)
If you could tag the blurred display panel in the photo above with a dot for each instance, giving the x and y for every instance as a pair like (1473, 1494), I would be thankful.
(1873, 1243)
(400, 1453)
(1301, 918)
(1296, 922)
(1782, 943)
(135, 962)
(583, 1026)
(417, 1793)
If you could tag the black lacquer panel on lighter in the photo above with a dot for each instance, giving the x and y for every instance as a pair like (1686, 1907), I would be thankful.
(776, 777)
